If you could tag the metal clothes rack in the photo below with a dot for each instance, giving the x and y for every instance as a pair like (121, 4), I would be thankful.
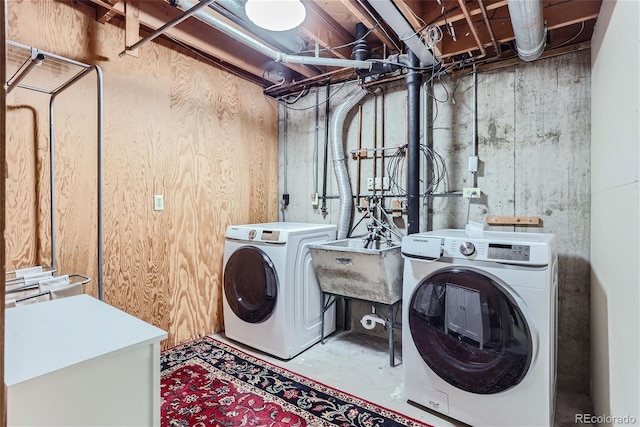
(48, 73)
(34, 284)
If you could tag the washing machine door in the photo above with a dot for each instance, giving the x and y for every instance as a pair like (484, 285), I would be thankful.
(251, 284)
(470, 331)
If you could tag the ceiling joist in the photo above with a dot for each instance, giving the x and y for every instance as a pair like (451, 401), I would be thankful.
(329, 34)
(378, 28)
(461, 30)
(204, 38)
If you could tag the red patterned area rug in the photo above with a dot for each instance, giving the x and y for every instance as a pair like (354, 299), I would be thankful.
(209, 383)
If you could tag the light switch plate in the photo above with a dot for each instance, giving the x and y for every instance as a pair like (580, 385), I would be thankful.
(158, 202)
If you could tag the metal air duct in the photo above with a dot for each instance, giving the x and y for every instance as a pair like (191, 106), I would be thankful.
(528, 27)
(396, 20)
(339, 165)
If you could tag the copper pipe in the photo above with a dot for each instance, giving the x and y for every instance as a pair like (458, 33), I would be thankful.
(375, 141)
(467, 15)
(382, 174)
(358, 159)
(483, 9)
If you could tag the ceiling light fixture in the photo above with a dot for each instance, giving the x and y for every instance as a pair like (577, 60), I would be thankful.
(276, 15)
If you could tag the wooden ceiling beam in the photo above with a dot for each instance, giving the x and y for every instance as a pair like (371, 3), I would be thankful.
(154, 14)
(335, 76)
(326, 31)
(560, 17)
(106, 11)
(459, 16)
(131, 25)
(546, 54)
(564, 14)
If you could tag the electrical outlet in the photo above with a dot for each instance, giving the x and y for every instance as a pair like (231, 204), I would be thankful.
(471, 193)
(158, 202)
(314, 200)
(370, 184)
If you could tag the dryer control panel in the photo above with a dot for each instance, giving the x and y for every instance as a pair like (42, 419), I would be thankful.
(498, 251)
(251, 234)
(501, 251)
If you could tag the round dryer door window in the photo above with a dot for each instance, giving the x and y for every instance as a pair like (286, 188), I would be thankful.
(251, 284)
(470, 331)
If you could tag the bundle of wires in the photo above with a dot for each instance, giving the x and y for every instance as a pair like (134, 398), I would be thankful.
(396, 174)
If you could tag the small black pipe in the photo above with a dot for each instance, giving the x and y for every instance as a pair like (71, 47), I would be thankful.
(414, 80)
(360, 48)
(326, 150)
(361, 52)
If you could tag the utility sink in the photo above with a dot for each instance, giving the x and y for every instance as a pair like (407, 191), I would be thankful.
(344, 267)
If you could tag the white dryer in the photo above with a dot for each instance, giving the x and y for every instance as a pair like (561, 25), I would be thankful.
(272, 301)
(479, 326)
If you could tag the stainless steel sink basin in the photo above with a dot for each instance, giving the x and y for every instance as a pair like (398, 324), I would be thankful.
(344, 267)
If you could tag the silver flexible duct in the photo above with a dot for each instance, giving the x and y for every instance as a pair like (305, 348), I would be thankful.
(339, 164)
(528, 27)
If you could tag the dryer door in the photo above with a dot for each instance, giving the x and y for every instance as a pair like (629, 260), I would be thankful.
(470, 331)
(251, 284)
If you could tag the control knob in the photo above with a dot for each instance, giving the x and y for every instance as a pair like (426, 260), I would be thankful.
(467, 249)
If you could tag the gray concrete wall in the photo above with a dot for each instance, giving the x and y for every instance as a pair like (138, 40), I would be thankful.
(533, 127)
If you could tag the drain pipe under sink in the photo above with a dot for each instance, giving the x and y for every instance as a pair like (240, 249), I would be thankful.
(369, 321)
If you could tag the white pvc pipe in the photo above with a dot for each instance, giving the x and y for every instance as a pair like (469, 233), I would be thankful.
(238, 35)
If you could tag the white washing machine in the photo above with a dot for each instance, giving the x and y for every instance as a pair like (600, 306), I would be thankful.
(479, 326)
(272, 301)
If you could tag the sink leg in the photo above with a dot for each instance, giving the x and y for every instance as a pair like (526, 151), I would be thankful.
(347, 314)
(390, 330)
(323, 311)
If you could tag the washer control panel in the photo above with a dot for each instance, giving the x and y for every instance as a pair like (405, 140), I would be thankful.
(509, 252)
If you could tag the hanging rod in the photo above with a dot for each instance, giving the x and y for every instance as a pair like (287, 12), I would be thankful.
(36, 60)
(175, 21)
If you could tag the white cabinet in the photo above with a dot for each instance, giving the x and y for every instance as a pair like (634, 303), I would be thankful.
(80, 362)
(467, 314)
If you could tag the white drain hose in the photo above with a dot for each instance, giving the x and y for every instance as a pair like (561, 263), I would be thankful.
(339, 164)
(369, 321)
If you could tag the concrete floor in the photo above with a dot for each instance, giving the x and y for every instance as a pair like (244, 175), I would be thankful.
(358, 364)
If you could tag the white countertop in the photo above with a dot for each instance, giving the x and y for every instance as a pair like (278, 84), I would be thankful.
(47, 336)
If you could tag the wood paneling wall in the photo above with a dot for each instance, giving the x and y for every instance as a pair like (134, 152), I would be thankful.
(3, 116)
(174, 125)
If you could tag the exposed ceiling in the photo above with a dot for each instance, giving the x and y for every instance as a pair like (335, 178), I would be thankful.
(460, 32)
